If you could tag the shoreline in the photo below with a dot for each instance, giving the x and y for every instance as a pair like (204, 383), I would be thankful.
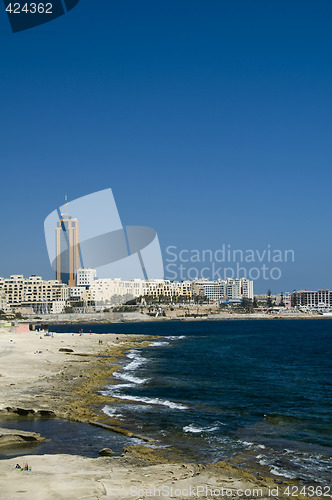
(59, 375)
(134, 318)
(38, 379)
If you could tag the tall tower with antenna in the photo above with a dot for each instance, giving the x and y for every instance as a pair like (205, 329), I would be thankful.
(67, 247)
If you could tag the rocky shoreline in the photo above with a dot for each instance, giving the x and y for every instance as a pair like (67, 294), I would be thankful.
(60, 376)
(10, 437)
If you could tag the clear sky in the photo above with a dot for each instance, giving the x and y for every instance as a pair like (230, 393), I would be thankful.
(210, 121)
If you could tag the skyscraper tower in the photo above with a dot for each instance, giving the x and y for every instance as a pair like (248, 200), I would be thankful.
(67, 248)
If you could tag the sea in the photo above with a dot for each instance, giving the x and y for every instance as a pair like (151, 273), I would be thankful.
(255, 391)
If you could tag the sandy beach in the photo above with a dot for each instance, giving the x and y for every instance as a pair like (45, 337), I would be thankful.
(59, 376)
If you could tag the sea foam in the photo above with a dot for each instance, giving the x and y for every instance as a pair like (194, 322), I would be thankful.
(196, 430)
(111, 412)
(175, 337)
(137, 360)
(151, 401)
(129, 378)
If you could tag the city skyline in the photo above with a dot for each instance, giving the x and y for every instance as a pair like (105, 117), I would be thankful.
(90, 294)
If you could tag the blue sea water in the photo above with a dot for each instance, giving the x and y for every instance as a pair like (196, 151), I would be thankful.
(257, 390)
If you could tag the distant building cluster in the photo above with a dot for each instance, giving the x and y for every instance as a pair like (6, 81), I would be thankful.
(90, 294)
(77, 288)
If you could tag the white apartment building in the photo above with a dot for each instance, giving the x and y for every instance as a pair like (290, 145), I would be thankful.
(309, 299)
(240, 288)
(85, 276)
(247, 288)
(58, 307)
(110, 291)
(166, 288)
(29, 291)
(215, 291)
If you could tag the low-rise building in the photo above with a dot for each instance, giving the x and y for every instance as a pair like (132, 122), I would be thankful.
(58, 307)
(33, 292)
(115, 291)
(171, 289)
(309, 299)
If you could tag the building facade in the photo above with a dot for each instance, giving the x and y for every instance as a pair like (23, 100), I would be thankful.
(230, 289)
(67, 249)
(115, 291)
(319, 299)
(33, 291)
(53, 296)
(85, 276)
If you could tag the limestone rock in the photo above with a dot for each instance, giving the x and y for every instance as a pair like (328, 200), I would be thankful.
(105, 452)
(9, 437)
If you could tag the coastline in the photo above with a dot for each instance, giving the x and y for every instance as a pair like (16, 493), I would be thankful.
(59, 374)
(38, 379)
(134, 317)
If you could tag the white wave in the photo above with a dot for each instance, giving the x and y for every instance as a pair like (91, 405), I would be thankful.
(110, 390)
(137, 360)
(196, 430)
(246, 443)
(155, 344)
(175, 337)
(277, 472)
(111, 412)
(151, 401)
(129, 378)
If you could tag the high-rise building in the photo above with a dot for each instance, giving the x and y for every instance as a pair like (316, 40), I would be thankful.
(67, 248)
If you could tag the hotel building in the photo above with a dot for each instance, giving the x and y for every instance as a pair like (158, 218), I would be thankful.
(230, 289)
(312, 299)
(40, 295)
(67, 249)
(112, 290)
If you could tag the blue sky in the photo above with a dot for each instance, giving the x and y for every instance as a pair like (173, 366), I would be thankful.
(210, 121)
